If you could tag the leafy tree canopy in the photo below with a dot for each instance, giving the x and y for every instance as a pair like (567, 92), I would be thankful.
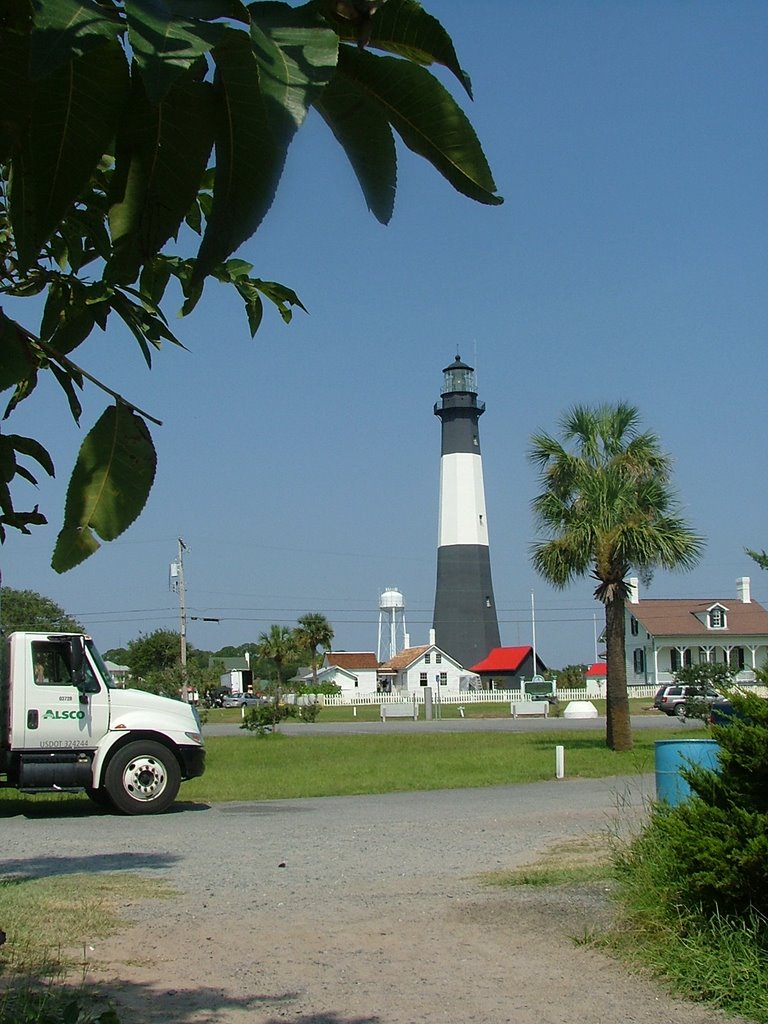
(117, 655)
(128, 128)
(715, 675)
(29, 611)
(572, 677)
(154, 652)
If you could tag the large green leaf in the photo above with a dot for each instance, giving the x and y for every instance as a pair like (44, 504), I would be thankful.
(296, 57)
(17, 362)
(168, 36)
(264, 87)
(403, 27)
(248, 160)
(32, 449)
(74, 113)
(69, 28)
(109, 485)
(426, 117)
(70, 313)
(366, 137)
(14, 61)
(161, 153)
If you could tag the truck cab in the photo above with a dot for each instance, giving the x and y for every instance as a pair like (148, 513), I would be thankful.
(66, 726)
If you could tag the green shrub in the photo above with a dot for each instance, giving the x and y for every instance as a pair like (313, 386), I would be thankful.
(709, 854)
(704, 861)
(694, 883)
(262, 718)
(29, 1004)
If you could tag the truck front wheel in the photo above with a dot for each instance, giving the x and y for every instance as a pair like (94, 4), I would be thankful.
(143, 778)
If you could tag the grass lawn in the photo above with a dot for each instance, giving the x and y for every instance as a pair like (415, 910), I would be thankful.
(280, 767)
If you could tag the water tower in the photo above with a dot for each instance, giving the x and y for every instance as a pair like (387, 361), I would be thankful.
(391, 624)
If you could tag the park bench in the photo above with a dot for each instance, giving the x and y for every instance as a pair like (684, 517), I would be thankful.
(404, 710)
(522, 708)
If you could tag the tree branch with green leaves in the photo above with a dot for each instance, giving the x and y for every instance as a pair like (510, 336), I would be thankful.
(135, 128)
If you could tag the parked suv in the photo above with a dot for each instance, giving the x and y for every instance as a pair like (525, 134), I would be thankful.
(676, 699)
(241, 700)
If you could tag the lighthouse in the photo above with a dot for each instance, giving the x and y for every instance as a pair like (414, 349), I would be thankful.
(465, 621)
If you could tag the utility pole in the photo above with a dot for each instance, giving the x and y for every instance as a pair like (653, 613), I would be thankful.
(177, 584)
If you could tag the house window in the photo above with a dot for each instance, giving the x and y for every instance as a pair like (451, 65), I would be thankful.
(422, 678)
(633, 626)
(716, 618)
(443, 677)
(438, 658)
(427, 658)
(638, 660)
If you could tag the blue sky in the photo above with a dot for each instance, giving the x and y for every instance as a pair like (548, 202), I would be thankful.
(628, 262)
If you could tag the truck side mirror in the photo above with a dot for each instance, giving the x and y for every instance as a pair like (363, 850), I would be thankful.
(77, 660)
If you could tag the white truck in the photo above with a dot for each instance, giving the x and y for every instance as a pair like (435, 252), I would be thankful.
(66, 726)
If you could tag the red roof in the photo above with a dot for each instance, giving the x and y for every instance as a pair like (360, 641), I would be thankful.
(352, 660)
(503, 659)
(598, 670)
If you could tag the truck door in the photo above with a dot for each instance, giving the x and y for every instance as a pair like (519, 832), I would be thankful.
(59, 716)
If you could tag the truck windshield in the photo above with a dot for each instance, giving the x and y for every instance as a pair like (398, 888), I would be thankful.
(102, 669)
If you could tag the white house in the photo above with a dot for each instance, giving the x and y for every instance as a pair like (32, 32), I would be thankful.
(415, 668)
(354, 671)
(120, 673)
(663, 635)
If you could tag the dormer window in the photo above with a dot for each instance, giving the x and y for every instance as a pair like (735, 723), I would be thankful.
(716, 617)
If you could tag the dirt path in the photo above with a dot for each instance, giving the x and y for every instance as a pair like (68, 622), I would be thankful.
(466, 955)
(371, 911)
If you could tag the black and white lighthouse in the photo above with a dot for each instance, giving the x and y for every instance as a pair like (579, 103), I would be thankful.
(465, 621)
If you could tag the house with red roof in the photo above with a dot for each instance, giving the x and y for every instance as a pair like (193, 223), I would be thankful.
(663, 635)
(356, 672)
(504, 667)
(596, 678)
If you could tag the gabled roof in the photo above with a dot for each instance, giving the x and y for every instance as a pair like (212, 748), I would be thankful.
(405, 658)
(228, 664)
(503, 659)
(687, 617)
(333, 672)
(597, 670)
(352, 660)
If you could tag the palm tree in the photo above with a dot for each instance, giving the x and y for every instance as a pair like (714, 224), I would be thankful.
(314, 631)
(277, 646)
(606, 508)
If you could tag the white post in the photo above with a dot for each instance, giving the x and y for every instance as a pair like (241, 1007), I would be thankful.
(559, 762)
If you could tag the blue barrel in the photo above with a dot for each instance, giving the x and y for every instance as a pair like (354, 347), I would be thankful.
(671, 756)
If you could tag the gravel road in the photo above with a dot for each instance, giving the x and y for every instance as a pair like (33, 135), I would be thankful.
(357, 910)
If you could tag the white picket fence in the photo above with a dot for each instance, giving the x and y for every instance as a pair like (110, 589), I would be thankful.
(472, 696)
(593, 692)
